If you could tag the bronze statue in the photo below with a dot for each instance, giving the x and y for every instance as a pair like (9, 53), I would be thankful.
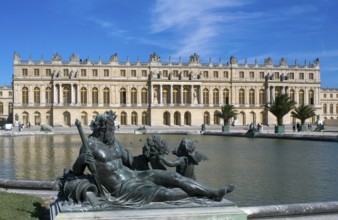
(109, 163)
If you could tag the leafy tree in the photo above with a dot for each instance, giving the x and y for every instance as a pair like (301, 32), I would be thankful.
(227, 112)
(280, 107)
(303, 112)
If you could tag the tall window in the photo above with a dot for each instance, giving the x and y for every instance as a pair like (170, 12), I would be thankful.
(133, 96)
(95, 73)
(311, 97)
(301, 75)
(37, 120)
(123, 118)
(292, 95)
(144, 73)
(36, 72)
(261, 97)
(324, 108)
(311, 76)
(134, 118)
(215, 98)
(48, 95)
(1, 108)
(144, 96)
(175, 96)
(25, 95)
(123, 72)
(106, 73)
(165, 96)
(48, 72)
(206, 118)
(66, 72)
(205, 96)
(24, 72)
(331, 108)
(95, 96)
(261, 75)
(66, 95)
(241, 75)
(83, 72)
(252, 75)
(205, 74)
(106, 96)
(226, 98)
(252, 97)
(292, 75)
(226, 74)
(123, 96)
(301, 97)
(276, 75)
(175, 73)
(144, 118)
(241, 97)
(185, 73)
(36, 95)
(83, 95)
(10, 108)
(277, 93)
(185, 96)
(215, 74)
(133, 73)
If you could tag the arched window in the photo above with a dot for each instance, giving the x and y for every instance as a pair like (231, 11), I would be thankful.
(216, 119)
(175, 96)
(301, 97)
(324, 108)
(48, 95)
(226, 99)
(177, 118)
(133, 96)
(241, 97)
(66, 95)
(123, 96)
(165, 96)
(185, 96)
(311, 97)
(123, 118)
(37, 118)
(25, 96)
(277, 92)
(83, 95)
(166, 118)
(95, 96)
(134, 118)
(144, 96)
(252, 97)
(261, 97)
(144, 118)
(206, 118)
(66, 118)
(84, 118)
(215, 98)
(25, 118)
(1, 108)
(36, 95)
(205, 96)
(292, 95)
(106, 96)
(187, 118)
(48, 122)
(94, 115)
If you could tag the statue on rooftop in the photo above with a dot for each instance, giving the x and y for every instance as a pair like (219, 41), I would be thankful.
(115, 183)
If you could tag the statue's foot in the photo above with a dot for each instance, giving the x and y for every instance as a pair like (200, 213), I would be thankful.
(229, 188)
(221, 192)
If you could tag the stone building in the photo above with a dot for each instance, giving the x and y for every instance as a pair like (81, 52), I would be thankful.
(329, 103)
(158, 93)
(6, 103)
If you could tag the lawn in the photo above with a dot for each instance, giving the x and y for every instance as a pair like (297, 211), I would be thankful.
(18, 206)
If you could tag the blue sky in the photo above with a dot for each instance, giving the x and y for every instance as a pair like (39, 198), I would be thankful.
(248, 29)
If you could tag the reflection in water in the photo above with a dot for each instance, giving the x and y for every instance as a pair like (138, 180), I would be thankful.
(265, 171)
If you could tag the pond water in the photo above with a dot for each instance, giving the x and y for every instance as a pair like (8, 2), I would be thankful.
(265, 171)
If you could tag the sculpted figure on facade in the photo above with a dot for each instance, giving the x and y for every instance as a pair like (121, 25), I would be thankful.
(194, 58)
(114, 58)
(154, 58)
(56, 57)
(268, 61)
(17, 57)
(283, 62)
(316, 62)
(74, 58)
(233, 60)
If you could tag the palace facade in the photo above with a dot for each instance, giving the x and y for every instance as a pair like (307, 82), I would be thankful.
(158, 93)
(6, 103)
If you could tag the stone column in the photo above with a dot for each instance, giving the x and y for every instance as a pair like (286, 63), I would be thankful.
(297, 95)
(273, 93)
(90, 97)
(221, 94)
(139, 97)
(246, 96)
(43, 96)
(181, 94)
(192, 94)
(211, 96)
(72, 96)
(78, 96)
(268, 95)
(31, 95)
(100, 95)
(161, 94)
(201, 95)
(306, 96)
(61, 95)
(55, 95)
(171, 94)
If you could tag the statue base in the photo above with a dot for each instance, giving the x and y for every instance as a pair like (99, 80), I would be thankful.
(205, 210)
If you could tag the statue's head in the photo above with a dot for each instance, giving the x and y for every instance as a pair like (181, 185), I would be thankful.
(186, 147)
(104, 125)
(155, 146)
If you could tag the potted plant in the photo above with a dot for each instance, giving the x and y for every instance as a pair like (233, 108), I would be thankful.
(302, 113)
(279, 108)
(227, 112)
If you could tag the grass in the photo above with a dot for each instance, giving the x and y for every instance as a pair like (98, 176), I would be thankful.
(18, 206)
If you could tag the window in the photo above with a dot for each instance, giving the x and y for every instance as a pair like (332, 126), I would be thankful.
(185, 73)
(215, 96)
(324, 108)
(226, 74)
(48, 72)
(165, 96)
(331, 108)
(206, 118)
(133, 73)
(95, 74)
(95, 96)
(241, 74)
(311, 97)
(175, 73)
(252, 75)
(133, 96)
(122, 72)
(123, 118)
(276, 75)
(36, 72)
(301, 75)
(134, 118)
(10, 94)
(24, 72)
(205, 74)
(83, 92)
(0, 94)
(292, 95)
(215, 74)
(106, 73)
(261, 97)
(175, 96)
(25, 95)
(66, 95)
(292, 75)
(311, 76)
(241, 97)
(144, 118)
(185, 96)
(48, 95)
(144, 95)
(144, 73)
(106, 96)
(165, 73)
(123, 96)
(225, 96)
(205, 96)
(261, 75)
(331, 96)
(1, 108)
(83, 73)
(324, 95)
(337, 97)
(66, 72)
(301, 97)
(10, 108)
(252, 97)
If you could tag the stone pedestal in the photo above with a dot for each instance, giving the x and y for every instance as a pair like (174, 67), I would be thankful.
(225, 210)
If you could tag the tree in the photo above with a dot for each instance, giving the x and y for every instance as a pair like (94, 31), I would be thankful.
(303, 112)
(280, 107)
(227, 112)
